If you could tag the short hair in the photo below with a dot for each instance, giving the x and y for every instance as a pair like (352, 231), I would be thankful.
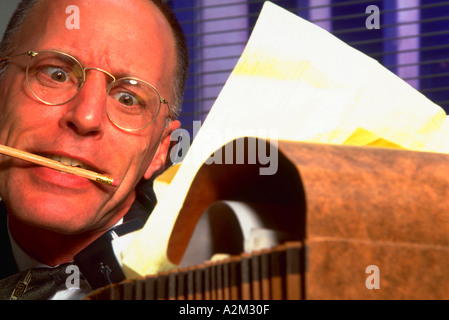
(25, 7)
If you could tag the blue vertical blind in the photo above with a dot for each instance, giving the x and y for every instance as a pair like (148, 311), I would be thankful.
(411, 40)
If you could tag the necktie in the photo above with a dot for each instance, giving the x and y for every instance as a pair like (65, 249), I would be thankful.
(33, 284)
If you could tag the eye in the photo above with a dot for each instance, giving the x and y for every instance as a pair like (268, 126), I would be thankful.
(56, 74)
(129, 100)
(126, 99)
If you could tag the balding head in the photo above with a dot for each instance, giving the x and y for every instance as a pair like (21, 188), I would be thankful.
(9, 44)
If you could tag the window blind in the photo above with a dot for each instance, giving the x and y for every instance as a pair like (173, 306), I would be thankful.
(412, 40)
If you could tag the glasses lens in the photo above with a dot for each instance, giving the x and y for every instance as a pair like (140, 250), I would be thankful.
(134, 104)
(54, 78)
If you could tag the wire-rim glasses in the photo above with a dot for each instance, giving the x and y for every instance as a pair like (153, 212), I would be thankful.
(55, 78)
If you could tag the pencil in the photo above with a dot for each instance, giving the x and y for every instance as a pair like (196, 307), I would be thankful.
(53, 164)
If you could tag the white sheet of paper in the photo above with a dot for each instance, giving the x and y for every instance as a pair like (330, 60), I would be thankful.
(294, 81)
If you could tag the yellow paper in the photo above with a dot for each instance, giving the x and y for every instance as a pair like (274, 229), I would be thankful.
(362, 137)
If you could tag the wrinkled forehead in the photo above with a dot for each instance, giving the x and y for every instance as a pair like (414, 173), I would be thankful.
(110, 34)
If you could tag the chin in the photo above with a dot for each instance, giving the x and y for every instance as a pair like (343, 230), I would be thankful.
(65, 222)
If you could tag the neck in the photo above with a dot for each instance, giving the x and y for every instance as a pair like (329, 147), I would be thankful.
(53, 248)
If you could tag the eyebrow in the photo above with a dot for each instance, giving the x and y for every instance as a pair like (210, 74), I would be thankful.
(120, 73)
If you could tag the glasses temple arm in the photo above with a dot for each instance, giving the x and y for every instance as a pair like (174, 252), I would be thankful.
(30, 53)
(165, 101)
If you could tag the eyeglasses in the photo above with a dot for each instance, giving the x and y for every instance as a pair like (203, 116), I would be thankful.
(55, 78)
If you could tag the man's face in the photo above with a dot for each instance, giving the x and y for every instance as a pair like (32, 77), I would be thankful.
(123, 37)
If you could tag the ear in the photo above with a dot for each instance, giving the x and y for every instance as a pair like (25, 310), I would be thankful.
(157, 165)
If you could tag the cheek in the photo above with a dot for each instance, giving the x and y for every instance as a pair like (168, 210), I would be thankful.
(17, 109)
(145, 156)
(10, 118)
(19, 117)
(133, 154)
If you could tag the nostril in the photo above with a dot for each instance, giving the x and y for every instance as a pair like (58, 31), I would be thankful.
(83, 130)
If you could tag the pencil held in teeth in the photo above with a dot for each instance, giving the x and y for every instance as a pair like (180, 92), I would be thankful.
(56, 165)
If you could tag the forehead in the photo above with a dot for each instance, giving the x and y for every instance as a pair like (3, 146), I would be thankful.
(111, 34)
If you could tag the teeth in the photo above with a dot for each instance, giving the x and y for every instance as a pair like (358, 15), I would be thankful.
(67, 161)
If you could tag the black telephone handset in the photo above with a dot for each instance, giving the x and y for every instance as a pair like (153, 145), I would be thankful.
(97, 262)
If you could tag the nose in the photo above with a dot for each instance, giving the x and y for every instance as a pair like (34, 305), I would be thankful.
(86, 113)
